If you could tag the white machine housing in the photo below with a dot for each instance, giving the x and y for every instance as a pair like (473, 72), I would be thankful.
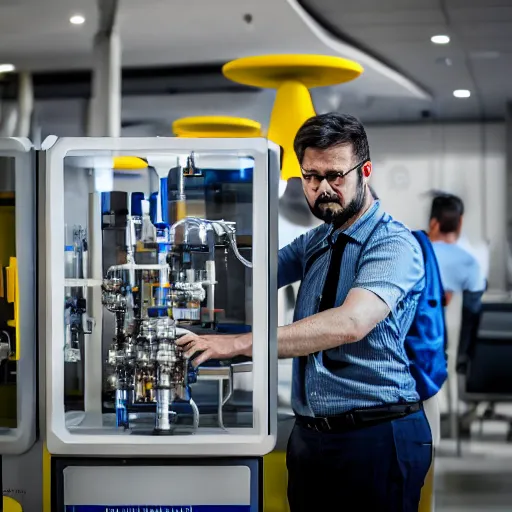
(18, 440)
(97, 440)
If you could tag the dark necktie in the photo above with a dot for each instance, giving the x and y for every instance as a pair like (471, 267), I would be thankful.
(330, 288)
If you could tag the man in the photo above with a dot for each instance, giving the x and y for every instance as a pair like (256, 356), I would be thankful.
(361, 439)
(460, 271)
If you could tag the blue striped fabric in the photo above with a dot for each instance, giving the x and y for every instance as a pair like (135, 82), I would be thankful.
(375, 370)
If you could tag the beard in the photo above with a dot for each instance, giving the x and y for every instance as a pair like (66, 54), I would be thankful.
(328, 207)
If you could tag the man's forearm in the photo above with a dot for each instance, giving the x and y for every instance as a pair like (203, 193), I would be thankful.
(322, 331)
(351, 322)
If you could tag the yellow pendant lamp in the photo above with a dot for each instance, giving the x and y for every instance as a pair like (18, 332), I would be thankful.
(292, 76)
(216, 127)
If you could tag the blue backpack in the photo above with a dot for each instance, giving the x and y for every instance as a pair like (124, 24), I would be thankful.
(426, 341)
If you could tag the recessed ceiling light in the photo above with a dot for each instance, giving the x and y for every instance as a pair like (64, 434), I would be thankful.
(77, 19)
(6, 68)
(440, 39)
(462, 93)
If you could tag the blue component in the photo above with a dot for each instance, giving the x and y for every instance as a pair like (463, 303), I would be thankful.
(164, 201)
(105, 202)
(152, 206)
(234, 328)
(122, 408)
(162, 233)
(192, 374)
(212, 177)
(157, 311)
(136, 206)
(69, 248)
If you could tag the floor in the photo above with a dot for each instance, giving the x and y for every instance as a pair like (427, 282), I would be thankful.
(481, 479)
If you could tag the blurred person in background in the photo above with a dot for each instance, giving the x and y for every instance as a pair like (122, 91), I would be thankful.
(460, 271)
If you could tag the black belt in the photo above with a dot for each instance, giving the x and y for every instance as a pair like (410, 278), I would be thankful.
(358, 418)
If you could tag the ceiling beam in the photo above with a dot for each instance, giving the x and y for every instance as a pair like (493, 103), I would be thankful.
(197, 79)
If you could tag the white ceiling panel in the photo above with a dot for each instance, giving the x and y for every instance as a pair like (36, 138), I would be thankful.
(398, 32)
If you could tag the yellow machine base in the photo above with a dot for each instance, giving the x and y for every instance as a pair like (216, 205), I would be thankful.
(11, 505)
(275, 483)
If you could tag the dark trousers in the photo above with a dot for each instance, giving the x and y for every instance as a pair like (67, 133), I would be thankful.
(381, 467)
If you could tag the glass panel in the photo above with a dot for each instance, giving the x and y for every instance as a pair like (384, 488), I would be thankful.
(155, 246)
(8, 294)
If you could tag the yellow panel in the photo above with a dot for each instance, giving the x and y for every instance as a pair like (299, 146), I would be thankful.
(292, 76)
(275, 482)
(216, 126)
(11, 505)
(47, 480)
(12, 297)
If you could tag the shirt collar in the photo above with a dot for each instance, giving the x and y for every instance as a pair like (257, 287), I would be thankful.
(362, 227)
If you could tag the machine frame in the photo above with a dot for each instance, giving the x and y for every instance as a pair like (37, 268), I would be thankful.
(20, 439)
(258, 441)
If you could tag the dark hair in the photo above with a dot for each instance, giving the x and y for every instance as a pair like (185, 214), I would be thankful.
(329, 130)
(447, 209)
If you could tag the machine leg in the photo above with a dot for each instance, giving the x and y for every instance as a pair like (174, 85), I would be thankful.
(220, 418)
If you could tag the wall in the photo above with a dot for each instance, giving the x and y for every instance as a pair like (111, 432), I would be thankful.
(465, 159)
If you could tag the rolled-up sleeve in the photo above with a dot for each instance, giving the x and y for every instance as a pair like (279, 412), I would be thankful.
(391, 268)
(289, 269)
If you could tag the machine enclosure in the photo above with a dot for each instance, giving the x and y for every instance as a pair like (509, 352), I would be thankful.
(260, 440)
(18, 440)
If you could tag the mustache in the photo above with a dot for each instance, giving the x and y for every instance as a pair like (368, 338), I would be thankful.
(328, 199)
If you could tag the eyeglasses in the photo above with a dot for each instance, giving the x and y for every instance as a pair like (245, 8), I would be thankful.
(330, 176)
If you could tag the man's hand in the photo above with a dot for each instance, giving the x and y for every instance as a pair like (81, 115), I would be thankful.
(215, 346)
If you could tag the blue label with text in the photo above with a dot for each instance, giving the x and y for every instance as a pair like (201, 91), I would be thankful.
(158, 508)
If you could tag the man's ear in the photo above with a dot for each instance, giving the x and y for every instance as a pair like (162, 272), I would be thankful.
(367, 170)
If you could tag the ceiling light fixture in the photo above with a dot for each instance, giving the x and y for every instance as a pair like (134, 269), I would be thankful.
(441, 39)
(462, 93)
(6, 68)
(77, 19)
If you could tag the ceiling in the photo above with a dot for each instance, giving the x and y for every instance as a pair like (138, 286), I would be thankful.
(405, 76)
(399, 32)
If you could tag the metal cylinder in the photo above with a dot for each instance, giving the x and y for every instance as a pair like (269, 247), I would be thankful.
(163, 410)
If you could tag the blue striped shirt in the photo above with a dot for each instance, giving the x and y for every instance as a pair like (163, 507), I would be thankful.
(374, 370)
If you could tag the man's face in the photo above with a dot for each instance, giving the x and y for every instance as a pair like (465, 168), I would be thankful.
(337, 200)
